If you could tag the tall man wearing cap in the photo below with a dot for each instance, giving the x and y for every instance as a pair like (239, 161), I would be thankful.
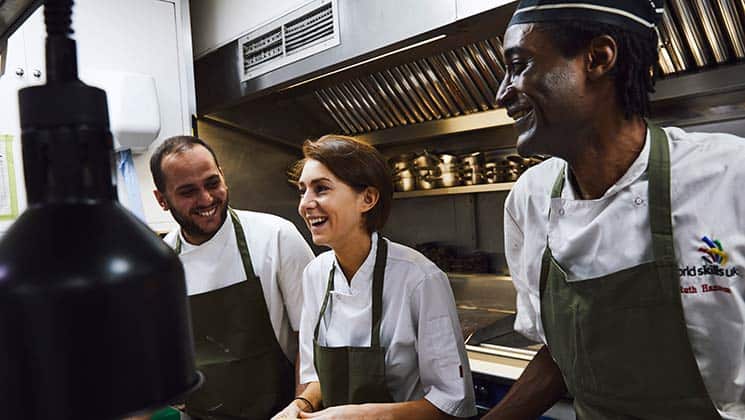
(243, 276)
(627, 248)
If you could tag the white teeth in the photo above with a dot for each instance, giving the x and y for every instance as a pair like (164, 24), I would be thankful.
(208, 213)
(316, 220)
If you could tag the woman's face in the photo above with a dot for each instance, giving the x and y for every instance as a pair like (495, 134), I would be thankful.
(332, 210)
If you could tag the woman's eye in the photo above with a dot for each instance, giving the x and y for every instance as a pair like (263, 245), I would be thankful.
(320, 189)
(301, 192)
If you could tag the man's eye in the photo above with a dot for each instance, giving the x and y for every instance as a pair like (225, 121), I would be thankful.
(515, 66)
(187, 193)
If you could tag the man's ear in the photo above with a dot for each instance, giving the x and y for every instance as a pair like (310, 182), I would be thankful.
(601, 56)
(370, 197)
(161, 200)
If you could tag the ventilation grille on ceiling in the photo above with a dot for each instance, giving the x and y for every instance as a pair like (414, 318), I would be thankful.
(305, 31)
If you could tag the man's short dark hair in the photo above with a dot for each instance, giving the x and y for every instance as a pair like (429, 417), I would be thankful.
(634, 70)
(172, 145)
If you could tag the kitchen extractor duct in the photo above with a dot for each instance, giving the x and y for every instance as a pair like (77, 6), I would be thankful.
(439, 85)
(465, 80)
(456, 82)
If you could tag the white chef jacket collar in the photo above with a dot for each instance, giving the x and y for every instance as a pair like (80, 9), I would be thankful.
(637, 168)
(362, 279)
(220, 239)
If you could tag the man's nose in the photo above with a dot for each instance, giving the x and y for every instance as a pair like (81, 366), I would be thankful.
(205, 197)
(505, 93)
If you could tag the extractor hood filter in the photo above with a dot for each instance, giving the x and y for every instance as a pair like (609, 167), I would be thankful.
(457, 82)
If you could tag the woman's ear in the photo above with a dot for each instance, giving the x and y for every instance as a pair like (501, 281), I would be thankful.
(369, 198)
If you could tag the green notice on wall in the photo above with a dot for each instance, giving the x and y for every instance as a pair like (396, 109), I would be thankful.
(8, 192)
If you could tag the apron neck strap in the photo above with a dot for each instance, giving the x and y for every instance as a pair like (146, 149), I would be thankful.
(240, 237)
(660, 219)
(381, 255)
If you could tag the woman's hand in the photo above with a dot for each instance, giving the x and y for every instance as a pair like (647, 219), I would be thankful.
(291, 412)
(340, 412)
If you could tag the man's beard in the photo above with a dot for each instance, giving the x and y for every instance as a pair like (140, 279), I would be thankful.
(191, 229)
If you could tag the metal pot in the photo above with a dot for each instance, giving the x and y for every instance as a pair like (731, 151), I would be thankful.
(401, 162)
(425, 160)
(404, 180)
(404, 184)
(447, 179)
(475, 160)
(471, 176)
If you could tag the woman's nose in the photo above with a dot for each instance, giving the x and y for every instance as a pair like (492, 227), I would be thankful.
(305, 203)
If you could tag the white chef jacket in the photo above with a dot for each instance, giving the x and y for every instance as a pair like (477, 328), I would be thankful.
(278, 255)
(592, 238)
(425, 356)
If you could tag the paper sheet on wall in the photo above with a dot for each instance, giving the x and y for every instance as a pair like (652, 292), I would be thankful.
(8, 193)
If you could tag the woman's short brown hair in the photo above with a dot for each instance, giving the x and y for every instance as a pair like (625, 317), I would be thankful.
(358, 165)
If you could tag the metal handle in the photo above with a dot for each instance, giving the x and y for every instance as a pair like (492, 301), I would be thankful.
(20, 72)
(36, 73)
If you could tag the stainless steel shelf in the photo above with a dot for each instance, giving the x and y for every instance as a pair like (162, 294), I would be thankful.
(466, 189)
(479, 276)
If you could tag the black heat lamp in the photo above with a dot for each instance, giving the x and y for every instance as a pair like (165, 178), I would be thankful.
(94, 320)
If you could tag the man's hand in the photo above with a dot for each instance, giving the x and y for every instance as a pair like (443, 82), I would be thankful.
(292, 411)
(339, 412)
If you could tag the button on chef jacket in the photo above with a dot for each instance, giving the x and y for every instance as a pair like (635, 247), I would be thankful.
(425, 356)
(592, 238)
(278, 254)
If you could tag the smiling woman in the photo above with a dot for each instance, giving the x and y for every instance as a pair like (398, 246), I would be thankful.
(379, 333)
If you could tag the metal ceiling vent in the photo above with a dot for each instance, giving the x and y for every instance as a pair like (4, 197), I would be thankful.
(302, 32)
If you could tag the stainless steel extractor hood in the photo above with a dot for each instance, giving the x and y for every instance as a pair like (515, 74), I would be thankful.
(448, 81)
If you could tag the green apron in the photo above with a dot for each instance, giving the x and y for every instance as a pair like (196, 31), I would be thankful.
(620, 340)
(247, 375)
(354, 375)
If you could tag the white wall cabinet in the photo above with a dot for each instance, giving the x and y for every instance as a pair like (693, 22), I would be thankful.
(151, 37)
